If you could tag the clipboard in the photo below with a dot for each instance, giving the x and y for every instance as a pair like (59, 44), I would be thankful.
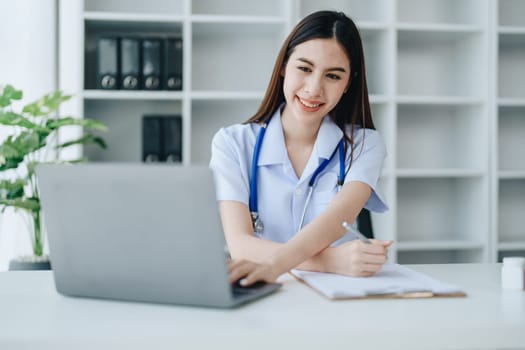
(393, 281)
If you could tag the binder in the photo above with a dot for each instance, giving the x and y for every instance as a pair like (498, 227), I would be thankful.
(393, 281)
(107, 63)
(172, 68)
(151, 139)
(172, 139)
(130, 63)
(151, 63)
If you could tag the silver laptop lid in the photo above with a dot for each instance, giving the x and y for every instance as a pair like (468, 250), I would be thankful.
(135, 232)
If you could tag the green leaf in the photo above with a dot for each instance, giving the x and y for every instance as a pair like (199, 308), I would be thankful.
(14, 119)
(46, 105)
(22, 203)
(15, 148)
(89, 124)
(84, 140)
(11, 189)
(9, 93)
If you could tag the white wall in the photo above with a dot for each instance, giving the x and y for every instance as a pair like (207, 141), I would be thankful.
(27, 61)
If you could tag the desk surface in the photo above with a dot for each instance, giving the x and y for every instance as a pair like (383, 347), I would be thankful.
(32, 314)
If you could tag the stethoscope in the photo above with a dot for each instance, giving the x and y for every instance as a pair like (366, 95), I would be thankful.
(257, 223)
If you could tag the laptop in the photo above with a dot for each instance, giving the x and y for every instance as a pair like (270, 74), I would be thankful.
(138, 232)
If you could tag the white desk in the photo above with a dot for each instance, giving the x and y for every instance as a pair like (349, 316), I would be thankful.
(34, 316)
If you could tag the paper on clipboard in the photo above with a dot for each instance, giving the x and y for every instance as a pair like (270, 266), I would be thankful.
(393, 280)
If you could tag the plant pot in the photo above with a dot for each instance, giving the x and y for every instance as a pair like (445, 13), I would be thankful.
(30, 262)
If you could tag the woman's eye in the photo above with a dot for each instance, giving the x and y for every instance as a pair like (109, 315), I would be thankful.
(304, 69)
(333, 76)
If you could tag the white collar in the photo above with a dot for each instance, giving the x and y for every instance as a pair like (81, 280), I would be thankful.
(273, 148)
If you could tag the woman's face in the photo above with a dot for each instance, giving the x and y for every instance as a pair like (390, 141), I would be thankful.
(315, 77)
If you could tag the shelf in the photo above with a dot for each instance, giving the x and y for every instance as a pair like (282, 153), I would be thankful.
(438, 100)
(218, 19)
(446, 87)
(511, 246)
(132, 95)
(140, 8)
(437, 245)
(511, 102)
(227, 95)
(436, 29)
(511, 30)
(439, 173)
(511, 174)
(111, 17)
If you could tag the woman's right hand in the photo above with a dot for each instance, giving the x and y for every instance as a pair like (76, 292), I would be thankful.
(357, 258)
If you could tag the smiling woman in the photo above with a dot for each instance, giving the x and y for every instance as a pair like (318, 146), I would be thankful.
(317, 167)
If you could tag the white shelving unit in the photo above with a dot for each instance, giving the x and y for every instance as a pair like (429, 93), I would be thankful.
(446, 87)
(509, 129)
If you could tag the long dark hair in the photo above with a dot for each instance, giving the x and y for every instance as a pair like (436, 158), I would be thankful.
(354, 107)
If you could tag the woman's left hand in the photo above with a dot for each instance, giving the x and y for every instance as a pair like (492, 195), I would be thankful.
(249, 272)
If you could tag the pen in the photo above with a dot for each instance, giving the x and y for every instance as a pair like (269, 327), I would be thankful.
(359, 235)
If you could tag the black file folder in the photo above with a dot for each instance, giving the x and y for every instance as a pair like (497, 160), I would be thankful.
(130, 63)
(107, 63)
(151, 63)
(162, 138)
(172, 138)
(172, 72)
(151, 139)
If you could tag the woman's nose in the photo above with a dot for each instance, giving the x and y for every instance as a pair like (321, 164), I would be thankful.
(313, 85)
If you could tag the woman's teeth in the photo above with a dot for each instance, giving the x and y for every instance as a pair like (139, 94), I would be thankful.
(309, 105)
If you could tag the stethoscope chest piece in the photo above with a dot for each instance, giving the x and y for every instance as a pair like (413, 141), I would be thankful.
(258, 225)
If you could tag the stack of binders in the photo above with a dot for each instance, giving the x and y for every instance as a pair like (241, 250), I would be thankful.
(139, 63)
(162, 138)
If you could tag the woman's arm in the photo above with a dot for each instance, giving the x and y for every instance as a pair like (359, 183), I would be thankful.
(308, 248)
(244, 245)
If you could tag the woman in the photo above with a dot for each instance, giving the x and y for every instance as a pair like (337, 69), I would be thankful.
(306, 162)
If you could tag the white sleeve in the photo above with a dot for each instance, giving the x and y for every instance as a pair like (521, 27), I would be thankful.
(229, 169)
(368, 157)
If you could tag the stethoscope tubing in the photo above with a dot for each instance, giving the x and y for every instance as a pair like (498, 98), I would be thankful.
(256, 220)
(313, 179)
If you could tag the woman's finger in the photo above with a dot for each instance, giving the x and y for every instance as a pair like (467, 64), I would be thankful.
(251, 278)
(377, 247)
(375, 259)
(240, 270)
(371, 268)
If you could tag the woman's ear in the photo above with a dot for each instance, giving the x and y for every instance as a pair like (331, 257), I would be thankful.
(283, 68)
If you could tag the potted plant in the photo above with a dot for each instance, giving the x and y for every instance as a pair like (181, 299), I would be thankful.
(35, 135)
